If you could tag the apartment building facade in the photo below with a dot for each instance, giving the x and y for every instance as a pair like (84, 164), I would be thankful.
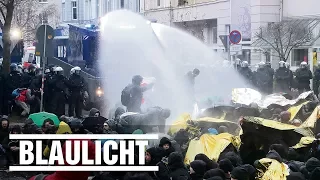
(90, 11)
(209, 19)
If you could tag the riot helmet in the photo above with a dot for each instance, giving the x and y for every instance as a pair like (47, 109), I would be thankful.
(238, 61)
(71, 71)
(137, 80)
(245, 64)
(47, 71)
(32, 69)
(14, 67)
(261, 64)
(282, 64)
(77, 70)
(303, 65)
(58, 70)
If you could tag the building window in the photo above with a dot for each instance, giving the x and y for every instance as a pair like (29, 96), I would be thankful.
(122, 4)
(138, 6)
(43, 1)
(182, 2)
(214, 35)
(63, 11)
(109, 5)
(299, 55)
(158, 3)
(98, 9)
(62, 51)
(74, 10)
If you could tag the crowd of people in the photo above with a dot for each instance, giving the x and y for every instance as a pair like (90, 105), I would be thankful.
(20, 90)
(169, 154)
(268, 81)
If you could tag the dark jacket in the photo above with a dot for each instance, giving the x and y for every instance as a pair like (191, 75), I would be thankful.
(13, 81)
(177, 169)
(76, 83)
(303, 75)
(4, 132)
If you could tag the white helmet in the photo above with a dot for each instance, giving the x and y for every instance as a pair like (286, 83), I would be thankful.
(282, 64)
(71, 71)
(57, 69)
(303, 64)
(238, 61)
(261, 64)
(77, 70)
(244, 64)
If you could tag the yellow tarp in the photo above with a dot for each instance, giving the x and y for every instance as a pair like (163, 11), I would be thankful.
(232, 126)
(304, 142)
(210, 145)
(62, 129)
(295, 109)
(180, 123)
(311, 121)
(275, 170)
(305, 131)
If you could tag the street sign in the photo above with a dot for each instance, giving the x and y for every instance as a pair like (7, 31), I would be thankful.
(235, 48)
(224, 40)
(235, 37)
(42, 32)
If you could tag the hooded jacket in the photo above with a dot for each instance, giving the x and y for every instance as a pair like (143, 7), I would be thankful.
(93, 111)
(199, 168)
(164, 141)
(4, 132)
(177, 169)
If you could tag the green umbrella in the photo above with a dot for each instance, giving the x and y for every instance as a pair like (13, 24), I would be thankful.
(39, 118)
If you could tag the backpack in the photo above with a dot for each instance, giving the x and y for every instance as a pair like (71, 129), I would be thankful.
(126, 96)
(16, 93)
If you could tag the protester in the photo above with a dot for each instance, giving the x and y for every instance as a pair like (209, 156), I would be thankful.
(303, 76)
(132, 94)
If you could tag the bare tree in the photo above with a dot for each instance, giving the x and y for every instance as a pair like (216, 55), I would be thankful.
(282, 37)
(29, 16)
(24, 15)
(6, 10)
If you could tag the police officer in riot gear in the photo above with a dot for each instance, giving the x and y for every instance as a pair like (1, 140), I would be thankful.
(282, 77)
(316, 79)
(77, 88)
(303, 77)
(13, 81)
(262, 78)
(237, 64)
(35, 87)
(246, 72)
(59, 83)
(29, 76)
(271, 75)
(48, 88)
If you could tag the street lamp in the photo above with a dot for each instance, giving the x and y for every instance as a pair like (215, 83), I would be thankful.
(15, 34)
